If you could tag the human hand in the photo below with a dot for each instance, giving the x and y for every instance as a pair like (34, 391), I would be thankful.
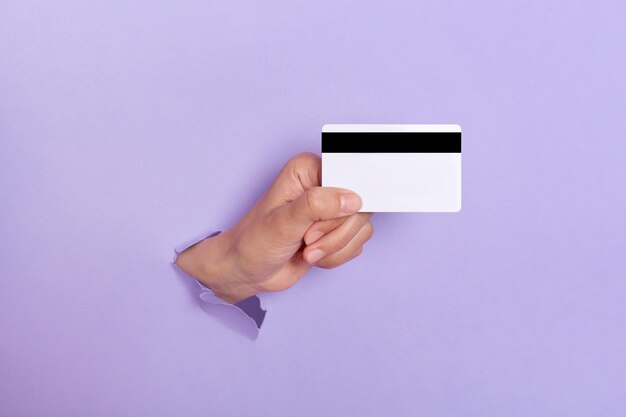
(296, 224)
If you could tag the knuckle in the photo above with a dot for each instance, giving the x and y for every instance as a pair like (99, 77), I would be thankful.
(341, 241)
(368, 230)
(328, 226)
(304, 159)
(314, 200)
(328, 264)
(334, 242)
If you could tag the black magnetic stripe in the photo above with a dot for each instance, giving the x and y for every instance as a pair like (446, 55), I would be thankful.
(388, 142)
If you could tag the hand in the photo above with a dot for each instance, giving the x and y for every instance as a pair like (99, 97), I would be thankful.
(295, 225)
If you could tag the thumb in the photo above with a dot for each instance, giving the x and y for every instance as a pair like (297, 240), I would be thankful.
(291, 221)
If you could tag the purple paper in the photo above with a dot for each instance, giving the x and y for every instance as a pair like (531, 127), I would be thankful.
(129, 126)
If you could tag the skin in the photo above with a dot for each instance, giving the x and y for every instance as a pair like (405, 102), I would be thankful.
(295, 225)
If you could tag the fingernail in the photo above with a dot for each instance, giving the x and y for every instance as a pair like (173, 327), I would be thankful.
(315, 255)
(350, 203)
(313, 236)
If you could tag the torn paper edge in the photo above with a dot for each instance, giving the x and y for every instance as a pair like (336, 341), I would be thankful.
(251, 306)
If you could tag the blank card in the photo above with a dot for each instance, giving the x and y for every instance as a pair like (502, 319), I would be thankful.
(395, 168)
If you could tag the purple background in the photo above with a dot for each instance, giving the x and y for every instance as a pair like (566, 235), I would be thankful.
(128, 127)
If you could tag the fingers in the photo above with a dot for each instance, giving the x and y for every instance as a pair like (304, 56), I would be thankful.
(355, 230)
(338, 260)
(350, 251)
(291, 221)
(321, 228)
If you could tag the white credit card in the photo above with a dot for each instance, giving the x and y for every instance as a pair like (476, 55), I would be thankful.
(395, 168)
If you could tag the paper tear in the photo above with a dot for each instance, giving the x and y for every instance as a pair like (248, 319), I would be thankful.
(251, 306)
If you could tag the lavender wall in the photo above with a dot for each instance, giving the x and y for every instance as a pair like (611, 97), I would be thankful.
(128, 127)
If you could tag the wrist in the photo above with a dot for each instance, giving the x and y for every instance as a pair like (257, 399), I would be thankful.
(213, 262)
